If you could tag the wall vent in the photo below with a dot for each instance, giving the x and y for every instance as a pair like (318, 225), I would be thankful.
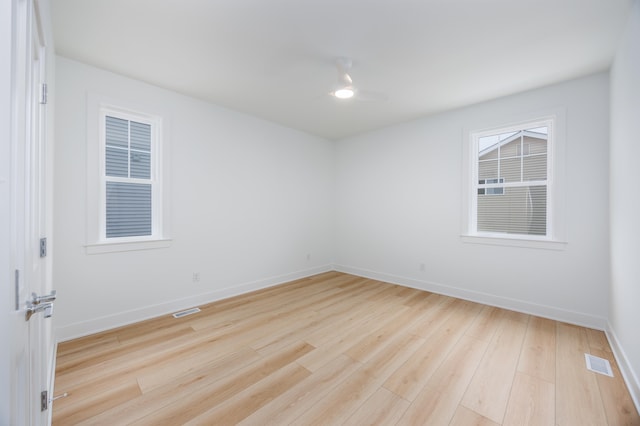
(185, 313)
(598, 365)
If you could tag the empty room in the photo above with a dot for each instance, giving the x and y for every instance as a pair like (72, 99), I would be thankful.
(320, 212)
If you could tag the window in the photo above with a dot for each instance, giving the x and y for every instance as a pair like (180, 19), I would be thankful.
(127, 180)
(484, 187)
(510, 181)
(525, 149)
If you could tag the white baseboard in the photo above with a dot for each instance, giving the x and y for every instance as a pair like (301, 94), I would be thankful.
(96, 325)
(550, 312)
(628, 374)
(108, 322)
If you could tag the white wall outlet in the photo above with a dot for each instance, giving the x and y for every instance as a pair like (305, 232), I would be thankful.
(196, 277)
(308, 257)
(422, 267)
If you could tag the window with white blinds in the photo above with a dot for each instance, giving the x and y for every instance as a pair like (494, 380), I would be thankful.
(130, 179)
(511, 181)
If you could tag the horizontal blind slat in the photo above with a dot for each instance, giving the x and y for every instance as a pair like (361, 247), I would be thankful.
(116, 162)
(140, 165)
(140, 136)
(128, 209)
(117, 132)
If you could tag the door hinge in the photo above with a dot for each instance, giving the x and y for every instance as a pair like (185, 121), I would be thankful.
(44, 400)
(17, 283)
(43, 247)
(44, 94)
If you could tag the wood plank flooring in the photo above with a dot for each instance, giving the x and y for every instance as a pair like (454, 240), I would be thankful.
(337, 349)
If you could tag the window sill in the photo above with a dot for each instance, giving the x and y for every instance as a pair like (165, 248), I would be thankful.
(514, 242)
(99, 248)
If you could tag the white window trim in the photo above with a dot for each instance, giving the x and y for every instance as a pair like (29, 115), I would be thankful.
(96, 241)
(556, 224)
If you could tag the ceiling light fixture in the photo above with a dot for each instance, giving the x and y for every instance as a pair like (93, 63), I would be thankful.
(344, 93)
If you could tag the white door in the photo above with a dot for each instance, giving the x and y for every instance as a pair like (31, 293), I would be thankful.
(6, 291)
(31, 346)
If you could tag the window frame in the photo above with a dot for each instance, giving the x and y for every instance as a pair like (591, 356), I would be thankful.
(97, 241)
(555, 237)
(154, 180)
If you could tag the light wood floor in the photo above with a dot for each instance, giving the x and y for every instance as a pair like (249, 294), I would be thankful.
(337, 349)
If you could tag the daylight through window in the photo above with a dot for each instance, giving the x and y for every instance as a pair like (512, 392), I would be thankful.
(511, 180)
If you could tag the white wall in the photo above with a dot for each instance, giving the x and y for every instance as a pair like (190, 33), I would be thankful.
(399, 205)
(250, 199)
(625, 203)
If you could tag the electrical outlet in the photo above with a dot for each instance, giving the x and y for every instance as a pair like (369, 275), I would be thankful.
(308, 257)
(422, 267)
(196, 277)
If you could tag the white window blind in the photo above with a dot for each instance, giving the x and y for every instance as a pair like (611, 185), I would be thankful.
(129, 199)
(511, 180)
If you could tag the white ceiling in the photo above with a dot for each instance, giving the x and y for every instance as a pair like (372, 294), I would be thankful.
(275, 59)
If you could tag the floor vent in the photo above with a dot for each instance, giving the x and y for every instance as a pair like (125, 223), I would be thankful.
(598, 365)
(185, 313)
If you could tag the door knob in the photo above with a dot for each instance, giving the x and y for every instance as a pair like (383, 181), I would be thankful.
(36, 300)
(46, 307)
(40, 304)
